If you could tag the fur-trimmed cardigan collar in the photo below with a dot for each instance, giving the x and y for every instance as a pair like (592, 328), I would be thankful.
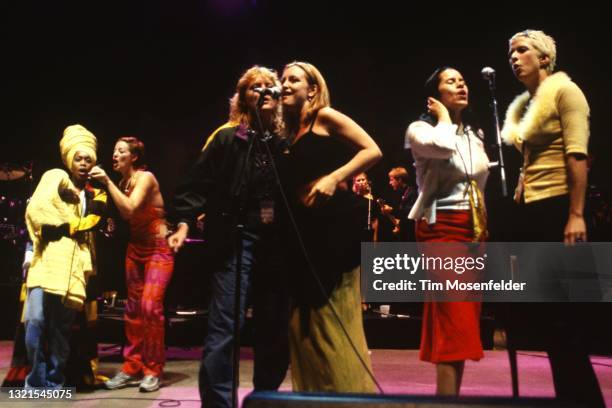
(540, 110)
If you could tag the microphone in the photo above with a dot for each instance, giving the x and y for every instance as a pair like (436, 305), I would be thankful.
(95, 183)
(274, 92)
(488, 73)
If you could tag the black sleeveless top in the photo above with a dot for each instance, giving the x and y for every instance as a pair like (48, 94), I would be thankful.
(317, 155)
(331, 232)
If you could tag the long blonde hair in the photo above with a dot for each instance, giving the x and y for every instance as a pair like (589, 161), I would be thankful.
(239, 111)
(320, 100)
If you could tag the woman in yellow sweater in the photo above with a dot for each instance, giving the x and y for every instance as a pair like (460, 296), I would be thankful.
(61, 211)
(549, 125)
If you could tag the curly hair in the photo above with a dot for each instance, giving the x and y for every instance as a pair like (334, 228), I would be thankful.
(239, 110)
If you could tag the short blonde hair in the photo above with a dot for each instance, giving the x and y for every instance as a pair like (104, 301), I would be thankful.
(239, 110)
(314, 77)
(542, 42)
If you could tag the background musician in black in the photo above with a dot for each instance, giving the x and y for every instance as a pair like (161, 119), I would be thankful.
(397, 211)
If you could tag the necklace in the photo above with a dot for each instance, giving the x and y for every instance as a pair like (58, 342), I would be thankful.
(129, 183)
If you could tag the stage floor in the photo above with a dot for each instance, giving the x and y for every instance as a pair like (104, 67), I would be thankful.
(398, 371)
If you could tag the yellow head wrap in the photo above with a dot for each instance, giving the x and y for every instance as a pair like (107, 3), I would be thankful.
(77, 138)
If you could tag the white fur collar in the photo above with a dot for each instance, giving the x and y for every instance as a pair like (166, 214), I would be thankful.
(542, 107)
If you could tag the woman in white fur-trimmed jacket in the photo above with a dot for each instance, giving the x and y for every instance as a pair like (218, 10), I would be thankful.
(549, 124)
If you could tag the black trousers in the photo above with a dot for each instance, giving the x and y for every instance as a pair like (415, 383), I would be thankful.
(556, 327)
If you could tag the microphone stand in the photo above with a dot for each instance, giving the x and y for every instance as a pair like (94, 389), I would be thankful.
(502, 167)
(239, 250)
(237, 309)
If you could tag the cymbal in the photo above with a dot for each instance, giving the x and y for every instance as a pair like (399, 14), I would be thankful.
(10, 171)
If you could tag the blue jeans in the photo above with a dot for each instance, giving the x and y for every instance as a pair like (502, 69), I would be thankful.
(47, 323)
(260, 264)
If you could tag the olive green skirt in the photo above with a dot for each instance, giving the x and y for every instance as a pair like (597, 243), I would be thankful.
(322, 358)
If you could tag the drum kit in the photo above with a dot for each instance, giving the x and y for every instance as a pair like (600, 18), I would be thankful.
(15, 190)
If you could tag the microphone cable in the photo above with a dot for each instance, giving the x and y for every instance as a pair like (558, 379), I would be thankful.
(76, 244)
(310, 265)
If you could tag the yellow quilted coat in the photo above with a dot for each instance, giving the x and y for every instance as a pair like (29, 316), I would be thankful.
(61, 267)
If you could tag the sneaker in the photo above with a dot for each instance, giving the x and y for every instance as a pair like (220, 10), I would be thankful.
(121, 380)
(149, 383)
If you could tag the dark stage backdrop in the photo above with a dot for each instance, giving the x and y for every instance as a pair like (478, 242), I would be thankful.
(164, 71)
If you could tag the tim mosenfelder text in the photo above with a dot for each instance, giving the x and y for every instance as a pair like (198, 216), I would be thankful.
(458, 265)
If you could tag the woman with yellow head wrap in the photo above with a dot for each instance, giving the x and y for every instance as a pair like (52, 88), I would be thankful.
(61, 211)
(76, 138)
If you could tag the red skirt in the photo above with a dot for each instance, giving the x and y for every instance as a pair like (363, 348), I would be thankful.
(451, 330)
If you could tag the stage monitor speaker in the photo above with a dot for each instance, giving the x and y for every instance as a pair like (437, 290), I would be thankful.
(331, 400)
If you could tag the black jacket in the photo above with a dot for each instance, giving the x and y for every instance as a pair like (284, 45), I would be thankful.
(214, 185)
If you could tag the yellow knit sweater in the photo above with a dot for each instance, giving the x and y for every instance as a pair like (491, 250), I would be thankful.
(546, 128)
(60, 267)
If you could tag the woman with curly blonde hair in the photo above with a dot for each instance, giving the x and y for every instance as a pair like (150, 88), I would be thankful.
(233, 183)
